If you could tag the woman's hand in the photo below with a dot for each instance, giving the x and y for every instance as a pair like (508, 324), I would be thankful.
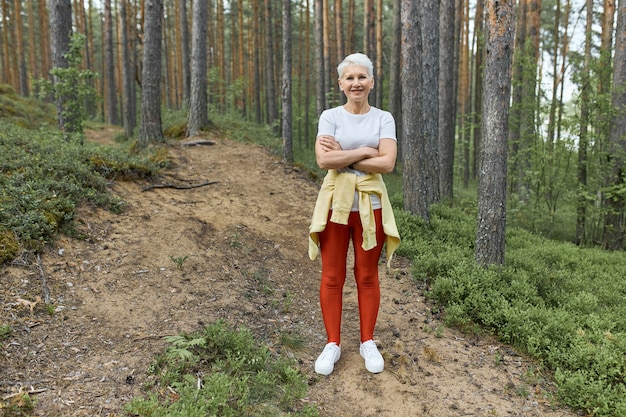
(328, 143)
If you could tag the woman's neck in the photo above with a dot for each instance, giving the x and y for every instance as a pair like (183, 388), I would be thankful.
(357, 108)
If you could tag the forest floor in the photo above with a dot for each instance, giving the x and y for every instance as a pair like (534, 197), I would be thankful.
(241, 244)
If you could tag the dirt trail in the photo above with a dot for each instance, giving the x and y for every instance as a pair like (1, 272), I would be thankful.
(242, 246)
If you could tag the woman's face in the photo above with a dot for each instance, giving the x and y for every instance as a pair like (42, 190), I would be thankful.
(355, 82)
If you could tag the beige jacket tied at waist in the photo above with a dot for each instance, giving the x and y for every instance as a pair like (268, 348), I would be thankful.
(338, 189)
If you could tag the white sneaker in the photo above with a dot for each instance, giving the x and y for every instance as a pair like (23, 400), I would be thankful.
(374, 361)
(325, 362)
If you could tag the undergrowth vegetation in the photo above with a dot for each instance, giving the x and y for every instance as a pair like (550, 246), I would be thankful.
(561, 304)
(222, 372)
(43, 179)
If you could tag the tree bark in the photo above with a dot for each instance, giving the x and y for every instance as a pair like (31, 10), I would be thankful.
(110, 94)
(320, 94)
(198, 105)
(583, 138)
(420, 53)
(60, 33)
(185, 54)
(446, 98)
(615, 195)
(21, 54)
(395, 90)
(129, 114)
(270, 94)
(287, 129)
(490, 234)
(150, 130)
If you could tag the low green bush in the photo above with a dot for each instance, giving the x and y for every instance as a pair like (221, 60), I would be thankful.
(222, 372)
(560, 303)
(43, 179)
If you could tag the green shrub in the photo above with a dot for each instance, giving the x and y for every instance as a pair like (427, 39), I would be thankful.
(222, 372)
(560, 303)
(43, 178)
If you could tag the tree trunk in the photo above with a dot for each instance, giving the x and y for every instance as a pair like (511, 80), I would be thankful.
(21, 54)
(184, 48)
(198, 105)
(479, 42)
(110, 94)
(286, 94)
(270, 94)
(150, 130)
(129, 115)
(380, 75)
(60, 33)
(446, 98)
(583, 140)
(395, 66)
(615, 195)
(320, 94)
(420, 53)
(490, 234)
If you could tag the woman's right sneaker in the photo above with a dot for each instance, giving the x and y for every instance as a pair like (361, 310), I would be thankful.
(325, 362)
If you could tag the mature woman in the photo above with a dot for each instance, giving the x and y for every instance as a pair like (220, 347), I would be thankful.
(356, 143)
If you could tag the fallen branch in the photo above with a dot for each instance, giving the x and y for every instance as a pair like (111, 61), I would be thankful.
(32, 391)
(178, 186)
(46, 291)
(198, 142)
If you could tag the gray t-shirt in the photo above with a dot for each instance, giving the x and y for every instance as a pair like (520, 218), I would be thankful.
(354, 131)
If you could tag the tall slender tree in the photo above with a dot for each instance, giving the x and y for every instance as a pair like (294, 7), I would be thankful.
(287, 128)
(447, 114)
(320, 93)
(109, 57)
(420, 156)
(151, 130)
(198, 106)
(583, 138)
(490, 234)
(60, 34)
(184, 49)
(614, 234)
(395, 90)
(129, 105)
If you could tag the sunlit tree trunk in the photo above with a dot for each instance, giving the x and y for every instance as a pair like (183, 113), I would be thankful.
(420, 54)
(198, 105)
(490, 234)
(446, 98)
(287, 129)
(150, 130)
(615, 194)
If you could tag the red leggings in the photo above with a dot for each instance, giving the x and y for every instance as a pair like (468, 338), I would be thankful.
(334, 243)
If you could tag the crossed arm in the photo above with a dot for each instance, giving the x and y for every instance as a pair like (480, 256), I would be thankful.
(329, 155)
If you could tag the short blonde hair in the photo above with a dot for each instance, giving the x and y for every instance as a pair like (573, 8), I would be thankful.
(357, 59)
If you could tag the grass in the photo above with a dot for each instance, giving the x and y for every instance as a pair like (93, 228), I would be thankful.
(222, 372)
(559, 303)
